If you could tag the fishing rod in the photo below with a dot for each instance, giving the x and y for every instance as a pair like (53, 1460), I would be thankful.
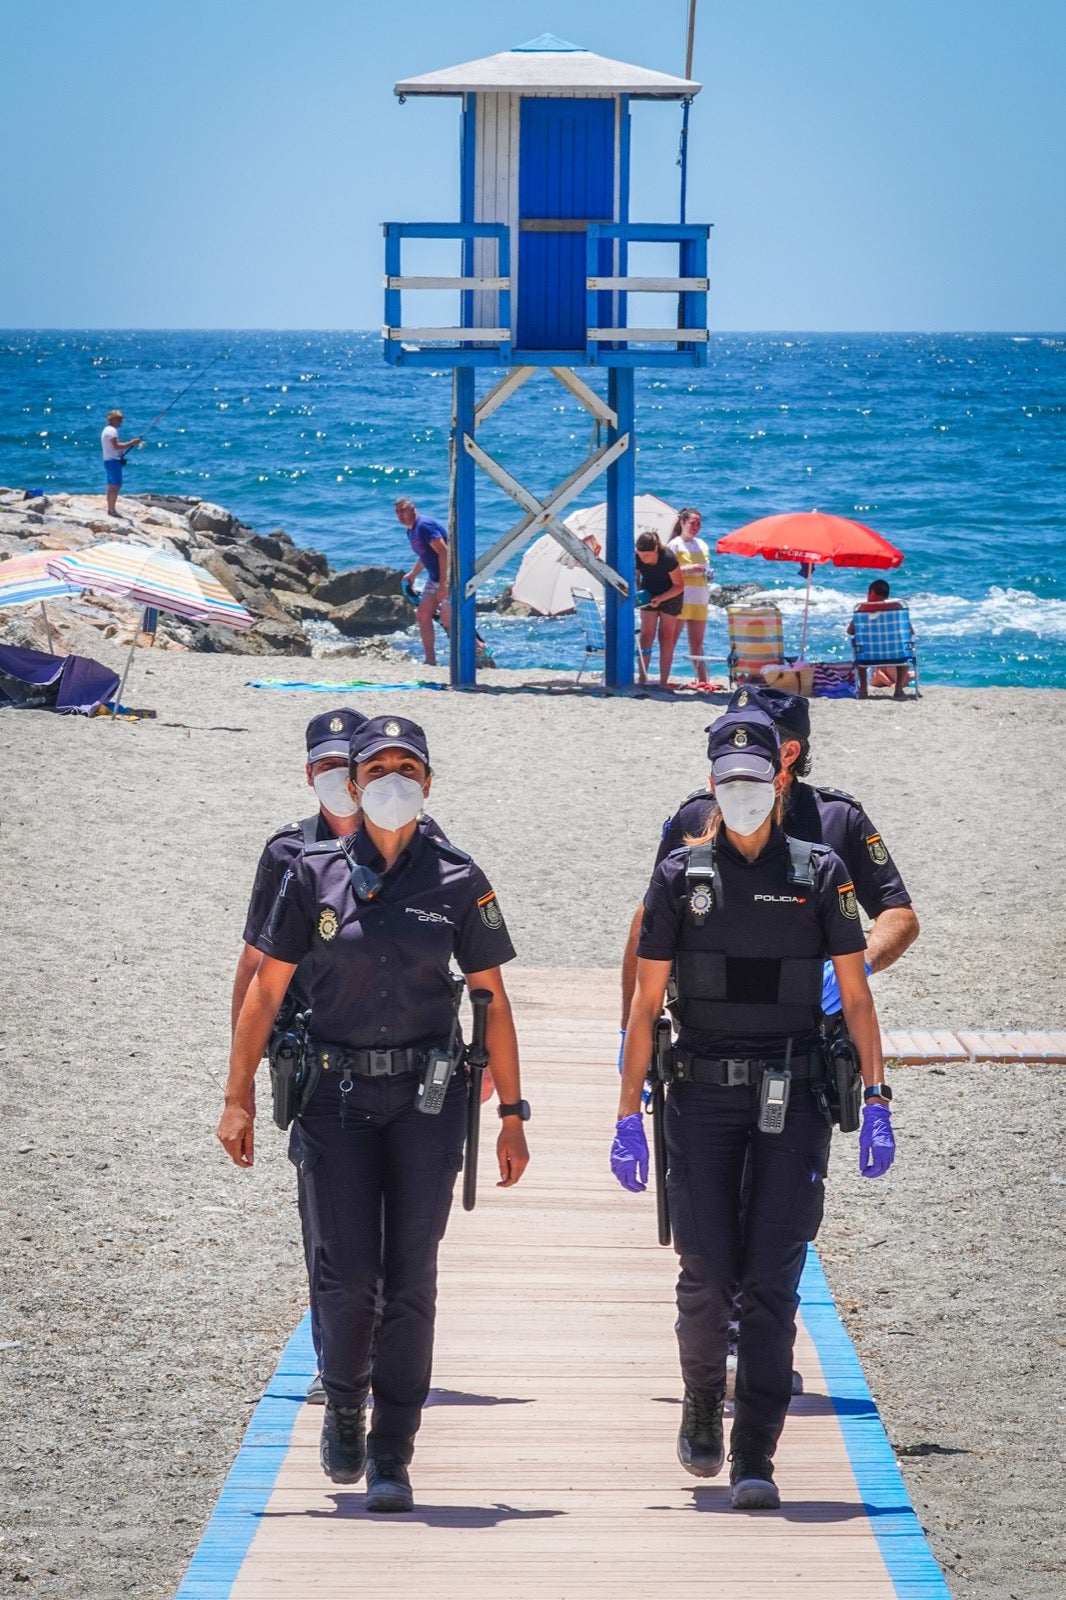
(190, 385)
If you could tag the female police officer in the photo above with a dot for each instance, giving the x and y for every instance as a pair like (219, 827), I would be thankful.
(377, 919)
(745, 918)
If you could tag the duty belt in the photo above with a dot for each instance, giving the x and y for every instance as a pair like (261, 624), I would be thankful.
(368, 1063)
(738, 1072)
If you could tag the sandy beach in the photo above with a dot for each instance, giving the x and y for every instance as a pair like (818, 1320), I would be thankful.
(149, 1286)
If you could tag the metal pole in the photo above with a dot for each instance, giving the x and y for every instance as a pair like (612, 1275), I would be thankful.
(621, 487)
(806, 608)
(682, 157)
(462, 534)
(47, 629)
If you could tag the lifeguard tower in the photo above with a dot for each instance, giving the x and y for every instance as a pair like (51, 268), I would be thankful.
(545, 233)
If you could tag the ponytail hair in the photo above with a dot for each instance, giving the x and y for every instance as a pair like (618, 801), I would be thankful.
(682, 517)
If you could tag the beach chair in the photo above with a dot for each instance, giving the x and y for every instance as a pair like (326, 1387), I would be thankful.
(591, 625)
(885, 639)
(756, 640)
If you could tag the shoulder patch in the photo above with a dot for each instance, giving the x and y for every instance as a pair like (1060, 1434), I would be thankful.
(848, 904)
(489, 910)
(876, 846)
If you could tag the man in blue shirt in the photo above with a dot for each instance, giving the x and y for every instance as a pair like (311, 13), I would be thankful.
(429, 541)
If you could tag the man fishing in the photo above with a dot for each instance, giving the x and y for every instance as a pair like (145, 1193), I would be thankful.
(114, 450)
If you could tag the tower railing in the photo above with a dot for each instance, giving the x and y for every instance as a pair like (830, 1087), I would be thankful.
(476, 346)
(609, 342)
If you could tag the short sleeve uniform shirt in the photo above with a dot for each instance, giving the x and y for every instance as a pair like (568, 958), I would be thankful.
(377, 972)
(822, 816)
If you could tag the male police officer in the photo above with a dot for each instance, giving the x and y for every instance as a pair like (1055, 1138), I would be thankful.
(820, 816)
(328, 738)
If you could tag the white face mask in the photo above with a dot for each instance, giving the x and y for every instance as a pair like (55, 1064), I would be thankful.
(333, 793)
(745, 804)
(392, 802)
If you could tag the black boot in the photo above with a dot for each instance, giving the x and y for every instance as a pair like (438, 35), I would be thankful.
(342, 1449)
(388, 1488)
(751, 1474)
(700, 1449)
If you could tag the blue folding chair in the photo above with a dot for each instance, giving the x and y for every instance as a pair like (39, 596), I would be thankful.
(591, 625)
(885, 639)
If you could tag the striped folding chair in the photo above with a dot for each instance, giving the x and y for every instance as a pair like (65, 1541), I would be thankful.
(591, 625)
(756, 640)
(885, 639)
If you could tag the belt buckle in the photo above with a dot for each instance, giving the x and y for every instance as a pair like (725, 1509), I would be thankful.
(381, 1063)
(738, 1072)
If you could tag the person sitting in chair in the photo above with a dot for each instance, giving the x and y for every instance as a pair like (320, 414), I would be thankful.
(895, 678)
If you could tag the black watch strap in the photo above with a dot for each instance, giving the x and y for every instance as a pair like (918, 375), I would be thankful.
(517, 1108)
(877, 1091)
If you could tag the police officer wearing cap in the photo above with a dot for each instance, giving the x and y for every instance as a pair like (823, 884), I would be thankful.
(824, 816)
(326, 770)
(745, 918)
(378, 918)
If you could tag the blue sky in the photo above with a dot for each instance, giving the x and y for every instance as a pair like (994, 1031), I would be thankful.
(868, 164)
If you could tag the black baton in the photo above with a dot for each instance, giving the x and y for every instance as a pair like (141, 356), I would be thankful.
(661, 1065)
(477, 1059)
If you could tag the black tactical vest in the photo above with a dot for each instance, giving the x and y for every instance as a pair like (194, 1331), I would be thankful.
(749, 959)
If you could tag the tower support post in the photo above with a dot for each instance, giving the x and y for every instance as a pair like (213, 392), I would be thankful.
(621, 487)
(462, 534)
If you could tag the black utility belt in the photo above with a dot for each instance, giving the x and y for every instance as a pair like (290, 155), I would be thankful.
(740, 1072)
(369, 1063)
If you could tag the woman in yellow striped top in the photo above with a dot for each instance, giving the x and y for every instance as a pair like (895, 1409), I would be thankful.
(694, 558)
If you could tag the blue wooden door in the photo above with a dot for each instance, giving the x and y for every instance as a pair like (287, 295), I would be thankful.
(565, 181)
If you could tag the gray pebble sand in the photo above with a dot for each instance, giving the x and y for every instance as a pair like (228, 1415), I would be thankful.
(148, 1286)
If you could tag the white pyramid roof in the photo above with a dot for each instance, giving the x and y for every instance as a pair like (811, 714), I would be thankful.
(547, 65)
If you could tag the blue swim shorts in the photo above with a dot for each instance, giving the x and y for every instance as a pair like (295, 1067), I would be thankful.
(113, 469)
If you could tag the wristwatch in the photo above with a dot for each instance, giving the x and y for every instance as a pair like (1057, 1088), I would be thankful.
(517, 1108)
(877, 1091)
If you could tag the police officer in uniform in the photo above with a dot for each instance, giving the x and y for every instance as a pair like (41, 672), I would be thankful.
(824, 816)
(326, 771)
(377, 919)
(745, 919)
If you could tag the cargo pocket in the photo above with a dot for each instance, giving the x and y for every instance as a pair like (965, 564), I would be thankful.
(314, 1179)
(809, 1196)
(452, 1166)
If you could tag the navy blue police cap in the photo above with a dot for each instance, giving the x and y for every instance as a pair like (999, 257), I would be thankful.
(791, 711)
(744, 744)
(330, 733)
(388, 733)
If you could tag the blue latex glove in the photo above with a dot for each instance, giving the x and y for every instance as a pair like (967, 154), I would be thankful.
(629, 1153)
(877, 1146)
(831, 1002)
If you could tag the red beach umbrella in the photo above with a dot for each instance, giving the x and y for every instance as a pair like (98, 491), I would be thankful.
(815, 538)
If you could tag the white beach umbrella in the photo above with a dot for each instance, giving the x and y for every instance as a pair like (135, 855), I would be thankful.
(548, 574)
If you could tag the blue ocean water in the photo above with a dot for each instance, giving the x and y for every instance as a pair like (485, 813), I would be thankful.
(952, 446)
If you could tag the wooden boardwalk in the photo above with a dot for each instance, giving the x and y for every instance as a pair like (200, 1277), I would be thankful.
(545, 1466)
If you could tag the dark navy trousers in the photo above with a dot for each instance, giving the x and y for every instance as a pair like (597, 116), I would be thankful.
(377, 1179)
(733, 1242)
(305, 1231)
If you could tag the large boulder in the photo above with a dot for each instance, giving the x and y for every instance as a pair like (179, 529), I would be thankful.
(344, 587)
(304, 606)
(371, 613)
(268, 638)
(208, 518)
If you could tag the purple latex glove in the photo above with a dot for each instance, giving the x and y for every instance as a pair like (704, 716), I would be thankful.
(877, 1146)
(831, 1001)
(629, 1153)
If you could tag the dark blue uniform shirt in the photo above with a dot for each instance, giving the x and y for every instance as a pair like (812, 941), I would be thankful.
(279, 853)
(377, 972)
(821, 816)
(763, 918)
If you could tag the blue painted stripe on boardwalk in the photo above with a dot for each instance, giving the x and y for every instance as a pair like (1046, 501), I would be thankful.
(235, 1520)
(907, 1557)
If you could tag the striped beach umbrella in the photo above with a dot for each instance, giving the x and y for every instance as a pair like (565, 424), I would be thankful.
(151, 577)
(26, 580)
